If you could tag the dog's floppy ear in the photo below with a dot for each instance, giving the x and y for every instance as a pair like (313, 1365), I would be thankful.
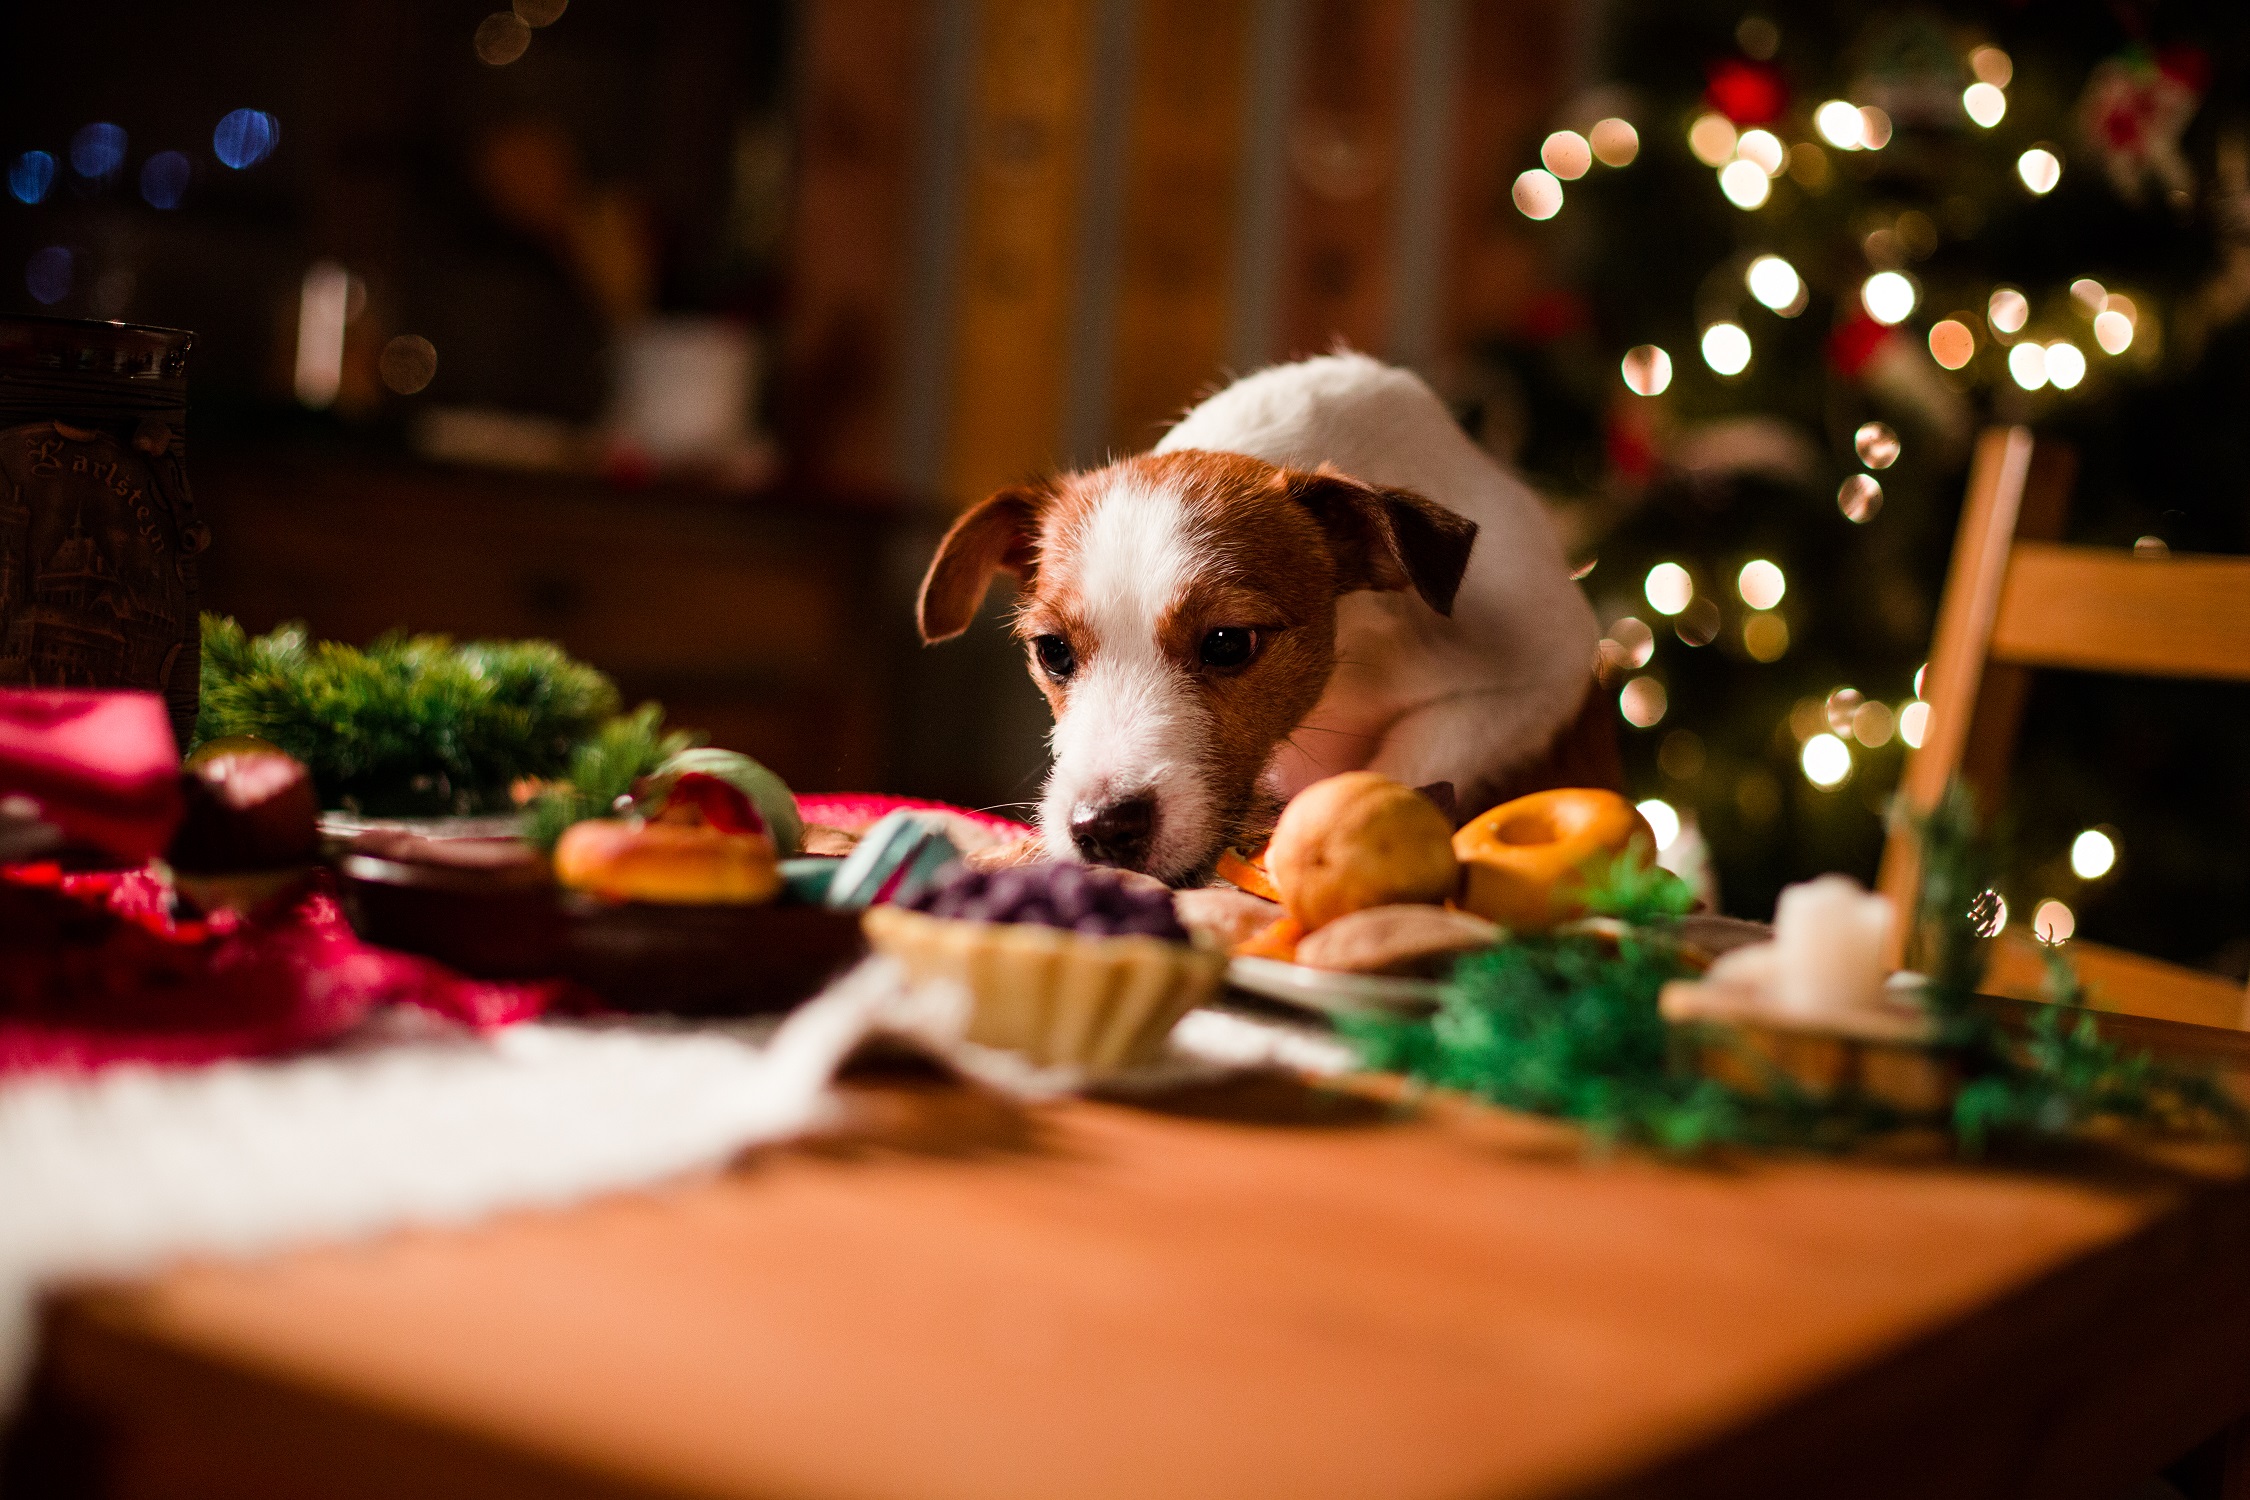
(997, 536)
(1385, 538)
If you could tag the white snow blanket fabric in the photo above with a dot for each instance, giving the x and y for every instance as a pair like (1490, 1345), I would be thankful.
(118, 1173)
(413, 1125)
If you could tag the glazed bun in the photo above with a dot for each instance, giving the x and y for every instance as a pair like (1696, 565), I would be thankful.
(1359, 840)
(677, 863)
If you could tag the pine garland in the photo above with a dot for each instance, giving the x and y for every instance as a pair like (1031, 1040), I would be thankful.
(1567, 1024)
(412, 725)
(602, 770)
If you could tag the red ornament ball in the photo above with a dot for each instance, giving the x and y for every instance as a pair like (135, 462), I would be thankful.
(1748, 93)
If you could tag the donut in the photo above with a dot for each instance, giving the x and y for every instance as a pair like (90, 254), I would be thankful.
(1359, 840)
(1523, 859)
(676, 863)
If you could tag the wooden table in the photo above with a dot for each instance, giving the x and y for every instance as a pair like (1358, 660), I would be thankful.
(1259, 1291)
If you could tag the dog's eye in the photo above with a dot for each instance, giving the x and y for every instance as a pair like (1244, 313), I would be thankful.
(1055, 656)
(1229, 646)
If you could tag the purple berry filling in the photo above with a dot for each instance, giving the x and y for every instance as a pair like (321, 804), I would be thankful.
(1086, 899)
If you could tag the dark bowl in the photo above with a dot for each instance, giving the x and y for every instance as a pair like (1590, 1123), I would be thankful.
(514, 923)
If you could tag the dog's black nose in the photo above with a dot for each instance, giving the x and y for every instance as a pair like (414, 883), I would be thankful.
(1118, 834)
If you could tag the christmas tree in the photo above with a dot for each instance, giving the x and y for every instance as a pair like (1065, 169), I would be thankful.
(1802, 257)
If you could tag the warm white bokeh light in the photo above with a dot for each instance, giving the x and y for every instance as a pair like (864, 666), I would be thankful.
(1888, 296)
(1874, 128)
(1663, 821)
(1726, 348)
(2090, 295)
(1615, 142)
(1859, 498)
(1647, 370)
(1764, 149)
(1761, 583)
(1877, 444)
(1765, 636)
(2113, 331)
(1985, 104)
(1992, 66)
(2008, 310)
(2027, 365)
(2066, 365)
(1873, 724)
(1538, 194)
(1914, 723)
(1952, 343)
(2053, 923)
(1775, 283)
(1712, 138)
(1567, 155)
(1827, 760)
(1669, 588)
(2093, 854)
(2040, 170)
(1840, 126)
(1643, 701)
(1745, 184)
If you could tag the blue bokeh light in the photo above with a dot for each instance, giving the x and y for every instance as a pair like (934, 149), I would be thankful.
(164, 179)
(47, 275)
(245, 137)
(30, 175)
(98, 150)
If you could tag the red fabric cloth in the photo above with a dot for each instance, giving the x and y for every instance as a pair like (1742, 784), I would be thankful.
(94, 972)
(100, 766)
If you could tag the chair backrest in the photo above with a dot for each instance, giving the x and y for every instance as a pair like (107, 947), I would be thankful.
(2012, 603)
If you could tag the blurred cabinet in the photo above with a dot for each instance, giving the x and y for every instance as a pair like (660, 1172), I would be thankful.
(759, 617)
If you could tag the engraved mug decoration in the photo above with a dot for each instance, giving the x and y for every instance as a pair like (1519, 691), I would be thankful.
(98, 534)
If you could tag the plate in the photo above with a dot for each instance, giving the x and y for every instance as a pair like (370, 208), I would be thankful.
(1330, 992)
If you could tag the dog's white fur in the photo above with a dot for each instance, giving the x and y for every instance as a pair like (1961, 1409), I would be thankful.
(1418, 696)
(1135, 724)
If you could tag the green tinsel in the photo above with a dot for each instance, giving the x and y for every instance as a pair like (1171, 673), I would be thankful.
(412, 725)
(1567, 1024)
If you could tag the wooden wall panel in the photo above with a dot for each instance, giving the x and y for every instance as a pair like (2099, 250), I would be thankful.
(1027, 132)
(1182, 185)
(860, 71)
(1514, 64)
(1344, 137)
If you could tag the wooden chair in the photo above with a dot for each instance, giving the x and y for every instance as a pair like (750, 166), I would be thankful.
(2016, 599)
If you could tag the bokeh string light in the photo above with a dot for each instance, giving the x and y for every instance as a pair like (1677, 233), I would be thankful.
(2093, 854)
(1567, 154)
(2040, 170)
(1889, 297)
(1984, 103)
(1615, 142)
(245, 137)
(1643, 702)
(164, 179)
(1877, 445)
(2027, 365)
(97, 150)
(1647, 370)
(1761, 583)
(1663, 821)
(2007, 310)
(1745, 184)
(1538, 194)
(1668, 588)
(1726, 348)
(1826, 760)
(1711, 138)
(30, 176)
(1953, 343)
(1776, 285)
(1859, 498)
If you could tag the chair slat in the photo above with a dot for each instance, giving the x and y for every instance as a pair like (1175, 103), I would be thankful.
(2103, 610)
(2125, 982)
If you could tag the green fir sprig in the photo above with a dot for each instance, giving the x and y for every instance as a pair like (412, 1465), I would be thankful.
(602, 770)
(412, 724)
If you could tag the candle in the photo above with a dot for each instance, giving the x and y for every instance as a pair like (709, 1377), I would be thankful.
(1829, 937)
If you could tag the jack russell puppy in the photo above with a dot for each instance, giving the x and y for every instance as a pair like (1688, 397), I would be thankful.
(1316, 571)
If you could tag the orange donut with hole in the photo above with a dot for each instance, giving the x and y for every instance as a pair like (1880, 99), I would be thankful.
(1523, 860)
